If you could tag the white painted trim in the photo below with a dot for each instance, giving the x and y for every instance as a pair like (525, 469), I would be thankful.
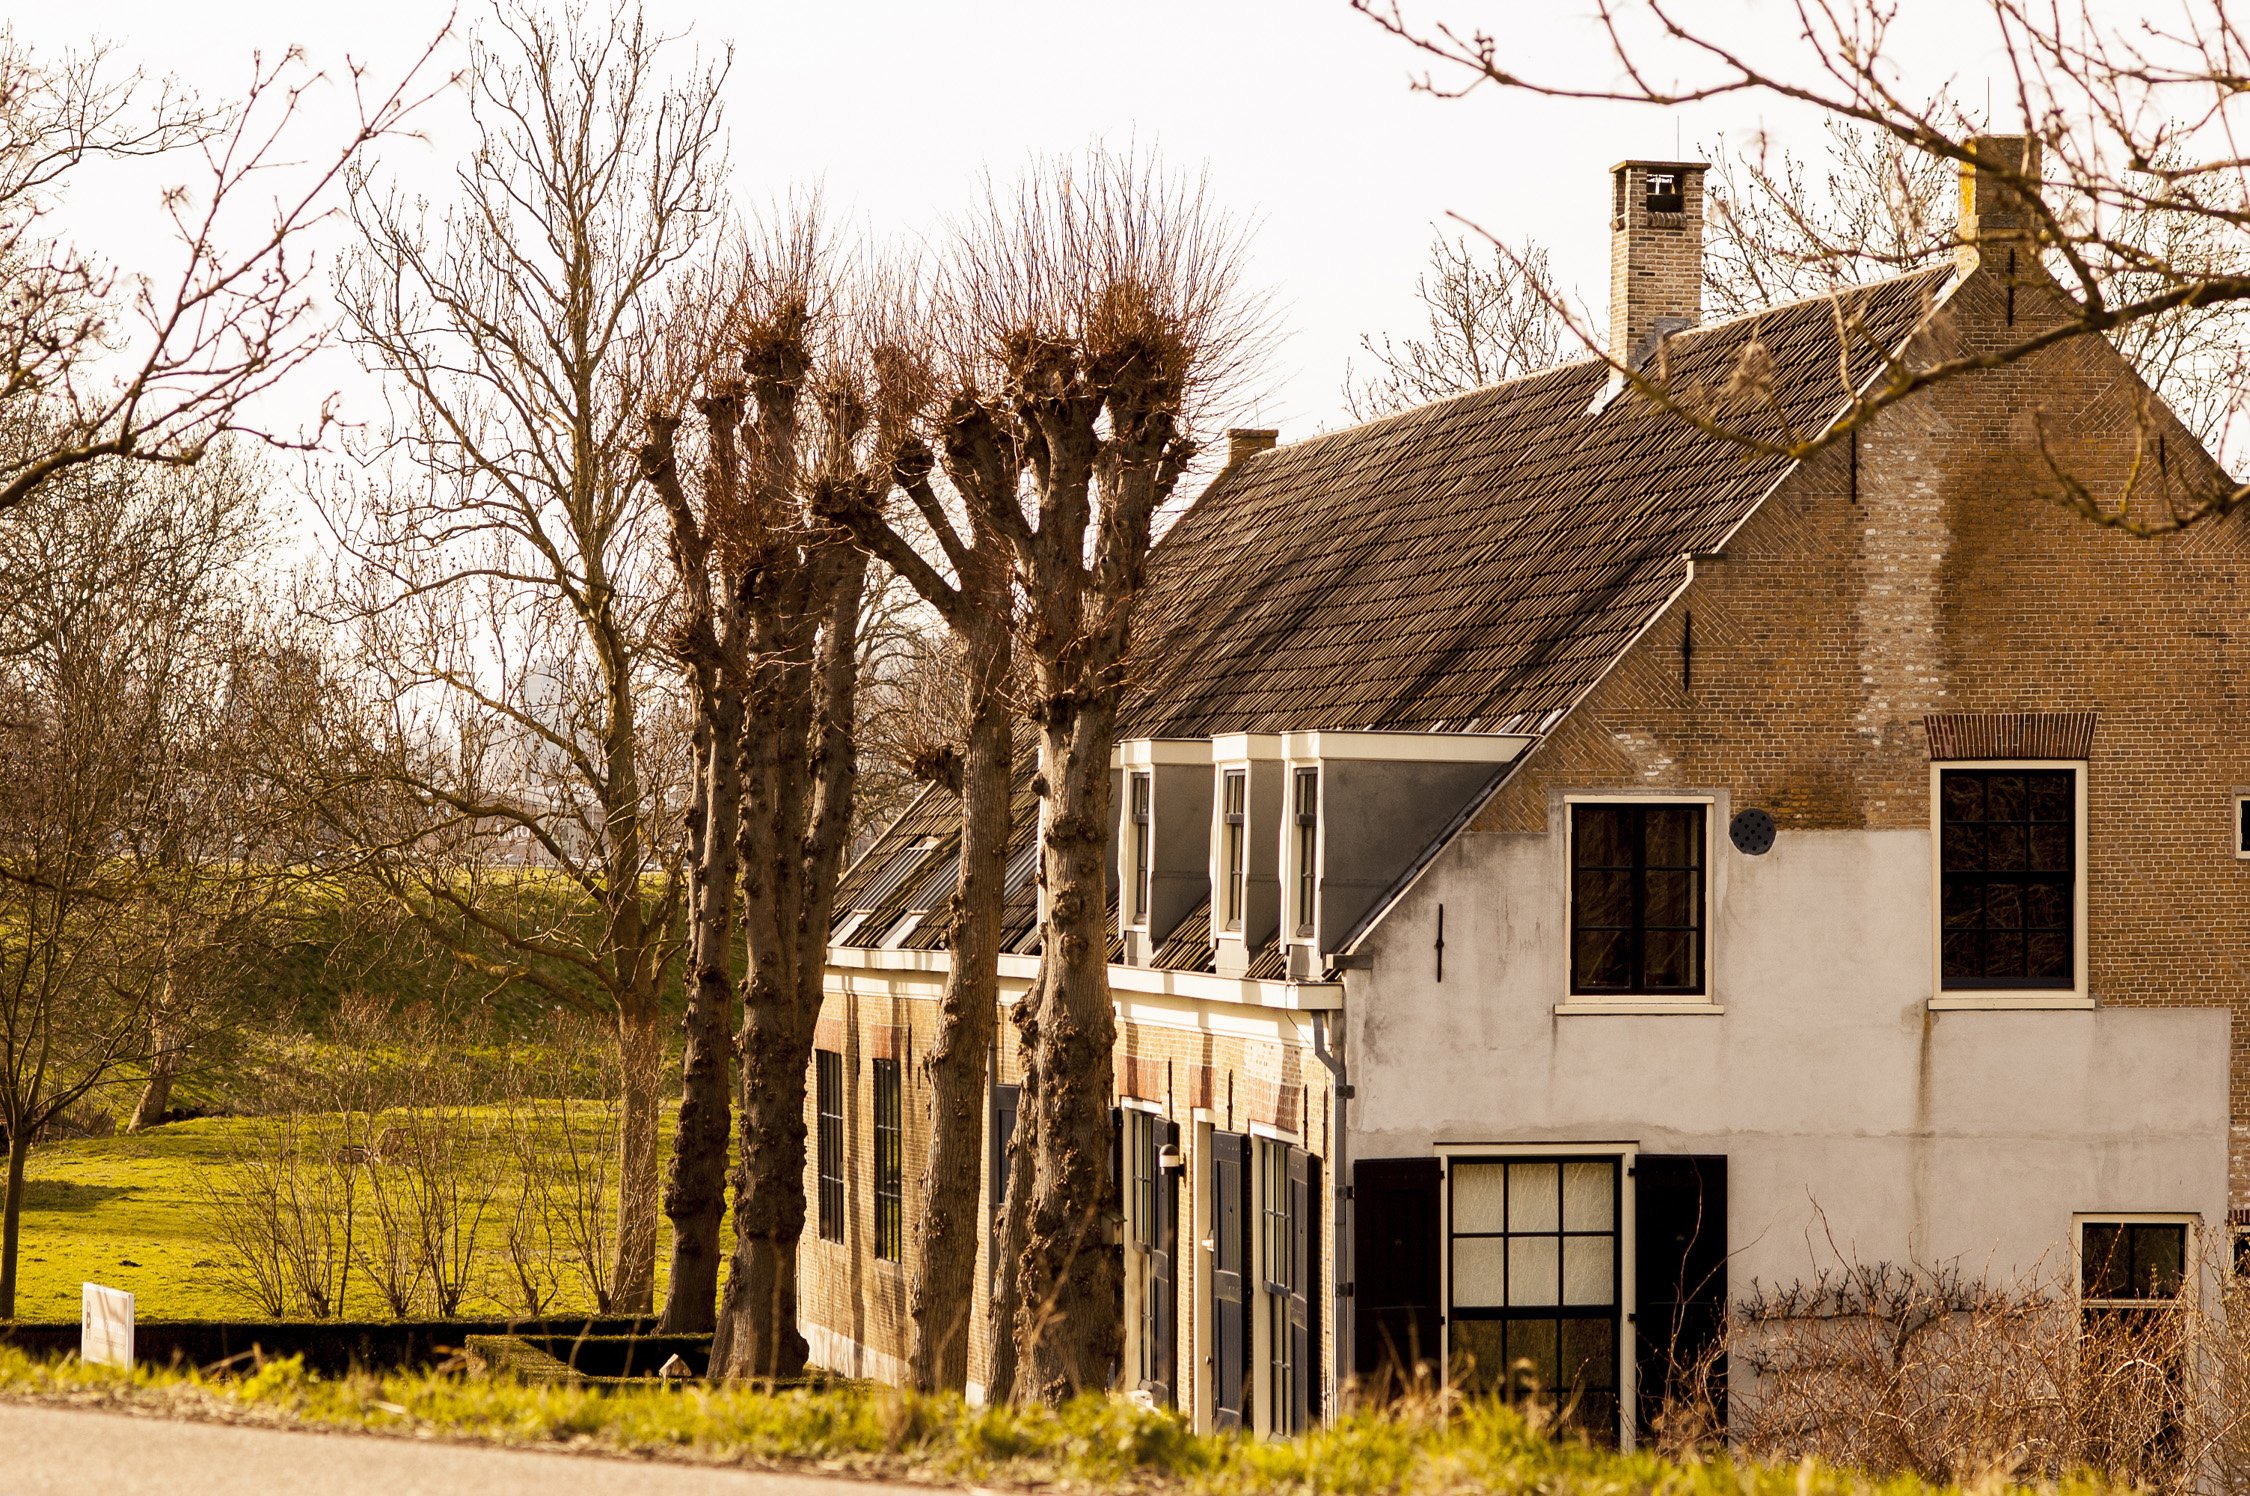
(1272, 1134)
(2192, 1268)
(1639, 1007)
(1138, 1104)
(2078, 994)
(1408, 747)
(1239, 748)
(1702, 1001)
(1200, 986)
(1143, 753)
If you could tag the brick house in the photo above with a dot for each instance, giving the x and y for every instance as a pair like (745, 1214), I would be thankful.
(1567, 864)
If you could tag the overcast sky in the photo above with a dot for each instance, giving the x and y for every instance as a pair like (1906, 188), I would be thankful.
(1300, 110)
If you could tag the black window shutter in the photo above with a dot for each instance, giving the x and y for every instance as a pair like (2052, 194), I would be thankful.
(1304, 1281)
(1161, 1280)
(1680, 1276)
(1230, 1355)
(1394, 1269)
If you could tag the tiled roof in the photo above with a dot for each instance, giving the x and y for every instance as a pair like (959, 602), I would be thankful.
(1472, 566)
(1476, 564)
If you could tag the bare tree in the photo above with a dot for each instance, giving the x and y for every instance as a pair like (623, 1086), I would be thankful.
(968, 584)
(2131, 204)
(1094, 310)
(118, 588)
(505, 589)
(1492, 316)
(807, 427)
(97, 364)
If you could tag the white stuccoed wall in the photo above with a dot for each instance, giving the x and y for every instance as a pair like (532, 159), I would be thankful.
(1847, 1109)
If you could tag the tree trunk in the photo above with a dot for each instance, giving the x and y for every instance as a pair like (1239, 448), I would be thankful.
(640, 1053)
(1067, 1329)
(944, 1281)
(11, 1217)
(757, 1334)
(1015, 1209)
(164, 1058)
(797, 763)
(695, 1194)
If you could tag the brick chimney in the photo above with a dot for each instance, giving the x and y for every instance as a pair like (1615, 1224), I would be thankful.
(1249, 441)
(1655, 254)
(1994, 210)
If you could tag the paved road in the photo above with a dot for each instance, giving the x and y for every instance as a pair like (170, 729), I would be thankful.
(68, 1452)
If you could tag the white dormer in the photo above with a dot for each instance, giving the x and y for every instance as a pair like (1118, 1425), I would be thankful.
(1246, 801)
(1163, 838)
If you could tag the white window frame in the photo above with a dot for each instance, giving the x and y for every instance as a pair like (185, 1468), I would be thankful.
(2193, 1270)
(1229, 923)
(1708, 1001)
(1293, 871)
(2077, 995)
(1264, 1307)
(1139, 849)
(1628, 1241)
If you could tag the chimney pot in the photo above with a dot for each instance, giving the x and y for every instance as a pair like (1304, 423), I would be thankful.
(1249, 441)
(1995, 209)
(1655, 254)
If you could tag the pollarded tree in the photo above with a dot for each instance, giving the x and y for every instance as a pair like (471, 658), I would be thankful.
(796, 408)
(1091, 314)
(507, 579)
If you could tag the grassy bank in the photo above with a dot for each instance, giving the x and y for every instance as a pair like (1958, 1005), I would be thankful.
(1094, 1443)
(132, 1211)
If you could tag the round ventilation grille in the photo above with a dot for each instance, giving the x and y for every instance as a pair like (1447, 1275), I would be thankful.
(1752, 831)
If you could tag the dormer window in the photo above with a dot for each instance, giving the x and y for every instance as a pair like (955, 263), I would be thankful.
(1304, 803)
(1136, 905)
(1235, 837)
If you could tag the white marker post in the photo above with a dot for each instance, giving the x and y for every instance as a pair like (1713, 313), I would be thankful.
(105, 1326)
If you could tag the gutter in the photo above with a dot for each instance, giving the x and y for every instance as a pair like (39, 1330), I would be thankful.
(1339, 1200)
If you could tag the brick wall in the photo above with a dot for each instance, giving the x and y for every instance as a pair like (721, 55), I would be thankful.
(1935, 571)
(854, 1307)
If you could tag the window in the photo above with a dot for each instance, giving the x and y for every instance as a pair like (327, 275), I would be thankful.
(1151, 1241)
(2008, 844)
(1235, 844)
(2132, 1279)
(1636, 899)
(1535, 1282)
(1277, 1258)
(2242, 826)
(1138, 805)
(1306, 810)
(890, 1234)
(828, 1105)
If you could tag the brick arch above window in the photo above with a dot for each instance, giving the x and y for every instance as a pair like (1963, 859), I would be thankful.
(2009, 735)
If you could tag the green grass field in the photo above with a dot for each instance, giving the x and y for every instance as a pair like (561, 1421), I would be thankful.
(132, 1212)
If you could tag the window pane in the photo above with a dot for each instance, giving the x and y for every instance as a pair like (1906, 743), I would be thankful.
(1605, 899)
(2104, 1269)
(2052, 797)
(1964, 796)
(2046, 906)
(1478, 1272)
(1672, 899)
(1964, 956)
(2003, 954)
(1534, 1197)
(1477, 1197)
(1604, 959)
(1675, 836)
(2159, 1260)
(1671, 961)
(2050, 849)
(1480, 1354)
(2006, 798)
(1534, 1271)
(1600, 836)
(1589, 1354)
(1589, 1196)
(1532, 1355)
(2046, 958)
(1964, 847)
(1589, 1269)
(1964, 904)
